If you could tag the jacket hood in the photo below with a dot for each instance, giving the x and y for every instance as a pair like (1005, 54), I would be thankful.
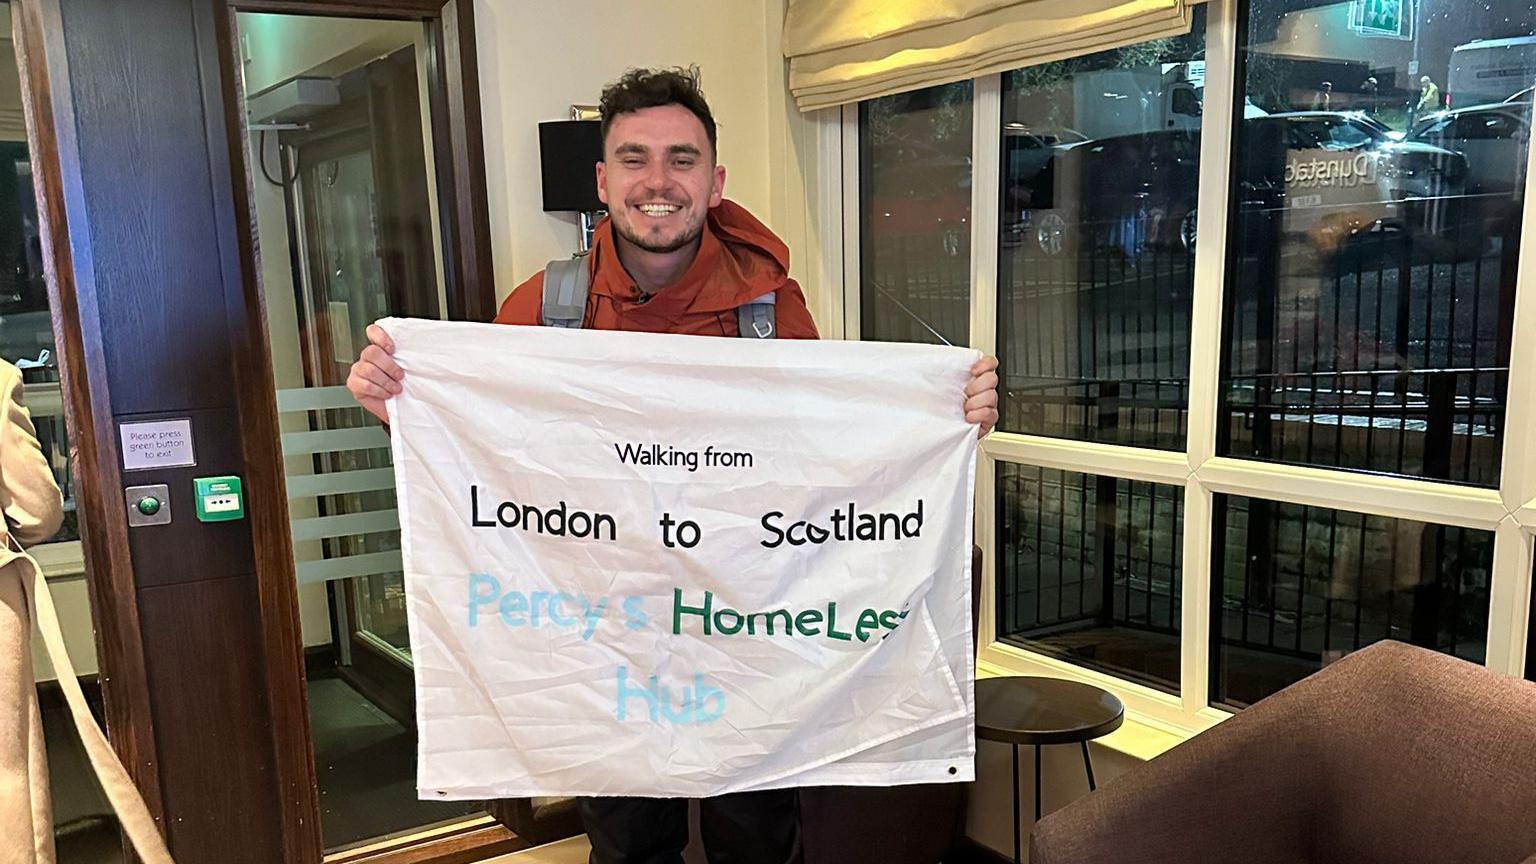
(739, 260)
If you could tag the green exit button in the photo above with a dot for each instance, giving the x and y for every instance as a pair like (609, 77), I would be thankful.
(218, 499)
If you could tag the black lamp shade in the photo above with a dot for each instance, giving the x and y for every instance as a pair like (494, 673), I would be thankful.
(568, 150)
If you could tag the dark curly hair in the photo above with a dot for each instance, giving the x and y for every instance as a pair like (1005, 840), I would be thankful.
(651, 88)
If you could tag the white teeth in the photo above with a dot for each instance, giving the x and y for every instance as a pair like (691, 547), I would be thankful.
(658, 209)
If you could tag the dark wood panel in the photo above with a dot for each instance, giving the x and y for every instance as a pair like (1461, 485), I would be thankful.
(144, 162)
(208, 693)
(169, 320)
(280, 641)
(460, 77)
(37, 29)
(188, 550)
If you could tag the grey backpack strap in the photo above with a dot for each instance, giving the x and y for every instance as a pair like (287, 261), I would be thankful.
(565, 292)
(754, 319)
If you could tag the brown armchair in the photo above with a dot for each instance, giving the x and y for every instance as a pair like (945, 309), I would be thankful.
(916, 824)
(1393, 754)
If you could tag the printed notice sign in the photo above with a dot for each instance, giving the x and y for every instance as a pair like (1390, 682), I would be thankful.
(157, 444)
(657, 565)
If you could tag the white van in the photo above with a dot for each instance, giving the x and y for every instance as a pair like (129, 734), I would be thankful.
(1490, 70)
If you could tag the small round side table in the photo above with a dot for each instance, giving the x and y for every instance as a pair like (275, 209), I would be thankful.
(1038, 711)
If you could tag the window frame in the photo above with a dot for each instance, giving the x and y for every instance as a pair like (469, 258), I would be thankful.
(1508, 511)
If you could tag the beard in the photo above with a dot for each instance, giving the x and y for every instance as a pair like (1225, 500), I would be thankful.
(664, 244)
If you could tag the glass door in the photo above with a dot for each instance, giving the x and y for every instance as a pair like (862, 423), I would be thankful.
(343, 186)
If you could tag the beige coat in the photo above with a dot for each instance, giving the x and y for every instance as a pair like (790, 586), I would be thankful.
(33, 509)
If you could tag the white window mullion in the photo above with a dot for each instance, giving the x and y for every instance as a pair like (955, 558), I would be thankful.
(1090, 457)
(986, 538)
(1509, 589)
(852, 213)
(1394, 497)
(1205, 350)
(986, 155)
(1519, 469)
(1216, 134)
(834, 291)
(1195, 608)
(1509, 599)
(1526, 515)
(986, 170)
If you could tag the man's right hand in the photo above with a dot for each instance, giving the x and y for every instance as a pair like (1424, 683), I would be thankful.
(376, 376)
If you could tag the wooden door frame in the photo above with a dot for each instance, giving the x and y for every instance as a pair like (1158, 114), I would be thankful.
(77, 323)
(37, 29)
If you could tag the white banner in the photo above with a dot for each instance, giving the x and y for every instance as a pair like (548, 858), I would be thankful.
(658, 565)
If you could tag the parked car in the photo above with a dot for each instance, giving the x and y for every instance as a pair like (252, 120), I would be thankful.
(1125, 191)
(1322, 176)
(921, 206)
(1490, 138)
(1488, 70)
(1491, 142)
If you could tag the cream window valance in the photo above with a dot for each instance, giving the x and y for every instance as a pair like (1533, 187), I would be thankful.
(843, 51)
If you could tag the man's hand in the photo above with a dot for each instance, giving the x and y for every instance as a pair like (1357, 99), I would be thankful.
(981, 396)
(376, 376)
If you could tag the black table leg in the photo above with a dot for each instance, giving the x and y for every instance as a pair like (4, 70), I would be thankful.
(1088, 763)
(1018, 852)
(1037, 782)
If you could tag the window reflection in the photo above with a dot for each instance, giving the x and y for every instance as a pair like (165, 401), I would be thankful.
(26, 326)
(347, 220)
(915, 203)
(1299, 587)
(1100, 177)
(1089, 570)
(1380, 169)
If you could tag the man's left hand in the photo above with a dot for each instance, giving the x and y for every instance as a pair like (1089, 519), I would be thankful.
(981, 396)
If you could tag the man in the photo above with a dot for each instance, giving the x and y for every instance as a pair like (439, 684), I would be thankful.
(1323, 99)
(673, 256)
(1429, 97)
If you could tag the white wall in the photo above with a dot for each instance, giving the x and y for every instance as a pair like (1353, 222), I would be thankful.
(538, 59)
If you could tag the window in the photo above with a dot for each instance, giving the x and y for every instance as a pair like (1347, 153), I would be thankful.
(1089, 569)
(1369, 298)
(1299, 587)
(1100, 173)
(1237, 445)
(915, 203)
(26, 326)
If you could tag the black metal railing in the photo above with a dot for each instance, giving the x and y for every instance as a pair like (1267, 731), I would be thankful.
(1094, 334)
(1395, 347)
(916, 289)
(1387, 356)
(1296, 587)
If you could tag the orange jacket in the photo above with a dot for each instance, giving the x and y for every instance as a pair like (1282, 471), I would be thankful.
(739, 259)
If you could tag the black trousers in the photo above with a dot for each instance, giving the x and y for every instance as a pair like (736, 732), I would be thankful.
(744, 828)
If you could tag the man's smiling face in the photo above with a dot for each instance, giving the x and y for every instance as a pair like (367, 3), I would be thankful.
(659, 177)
